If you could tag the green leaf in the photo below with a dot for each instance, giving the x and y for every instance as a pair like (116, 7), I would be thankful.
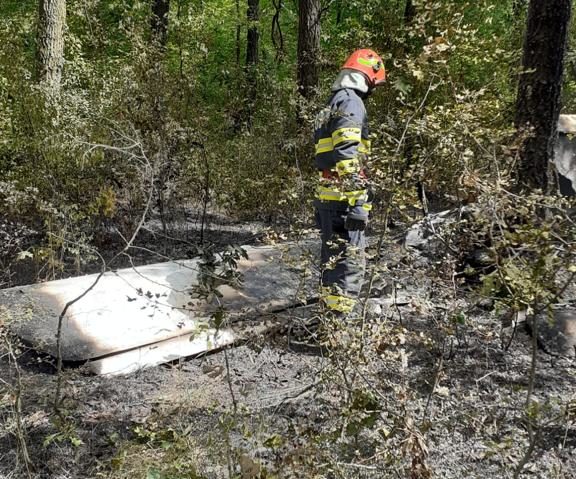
(76, 441)
(218, 318)
(460, 318)
(153, 474)
(401, 85)
(274, 441)
(50, 439)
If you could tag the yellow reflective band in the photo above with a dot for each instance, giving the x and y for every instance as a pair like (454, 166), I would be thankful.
(324, 149)
(367, 206)
(325, 193)
(347, 167)
(324, 145)
(369, 62)
(342, 304)
(329, 194)
(365, 147)
(354, 196)
(346, 134)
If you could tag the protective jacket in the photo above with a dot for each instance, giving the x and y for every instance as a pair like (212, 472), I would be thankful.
(341, 144)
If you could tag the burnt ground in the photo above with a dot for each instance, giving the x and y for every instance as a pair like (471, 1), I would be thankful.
(425, 389)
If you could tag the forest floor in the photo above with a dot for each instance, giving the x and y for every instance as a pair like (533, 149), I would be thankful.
(452, 395)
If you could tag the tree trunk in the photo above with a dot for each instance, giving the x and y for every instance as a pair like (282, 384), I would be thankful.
(339, 12)
(253, 35)
(540, 86)
(276, 32)
(159, 21)
(238, 31)
(409, 12)
(252, 44)
(50, 47)
(308, 46)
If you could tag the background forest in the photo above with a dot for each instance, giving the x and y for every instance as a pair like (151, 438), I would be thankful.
(171, 117)
(207, 105)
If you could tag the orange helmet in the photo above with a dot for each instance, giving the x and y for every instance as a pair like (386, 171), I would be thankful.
(370, 63)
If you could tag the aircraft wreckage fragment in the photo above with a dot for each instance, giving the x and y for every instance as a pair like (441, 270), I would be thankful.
(143, 316)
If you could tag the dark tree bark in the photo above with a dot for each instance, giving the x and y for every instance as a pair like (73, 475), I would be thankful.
(252, 50)
(308, 46)
(238, 31)
(159, 21)
(253, 35)
(540, 86)
(409, 12)
(276, 32)
(50, 46)
(339, 12)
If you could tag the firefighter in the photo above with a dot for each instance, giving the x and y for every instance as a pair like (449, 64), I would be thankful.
(343, 198)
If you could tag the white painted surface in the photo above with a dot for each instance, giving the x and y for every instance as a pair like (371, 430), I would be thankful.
(134, 360)
(125, 309)
(565, 149)
(133, 307)
(567, 124)
(169, 350)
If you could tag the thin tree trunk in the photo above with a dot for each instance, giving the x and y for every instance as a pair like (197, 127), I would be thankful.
(308, 46)
(339, 12)
(155, 130)
(238, 31)
(409, 12)
(540, 86)
(50, 47)
(252, 47)
(159, 21)
(253, 35)
(276, 32)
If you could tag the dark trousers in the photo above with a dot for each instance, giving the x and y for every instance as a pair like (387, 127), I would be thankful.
(342, 253)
